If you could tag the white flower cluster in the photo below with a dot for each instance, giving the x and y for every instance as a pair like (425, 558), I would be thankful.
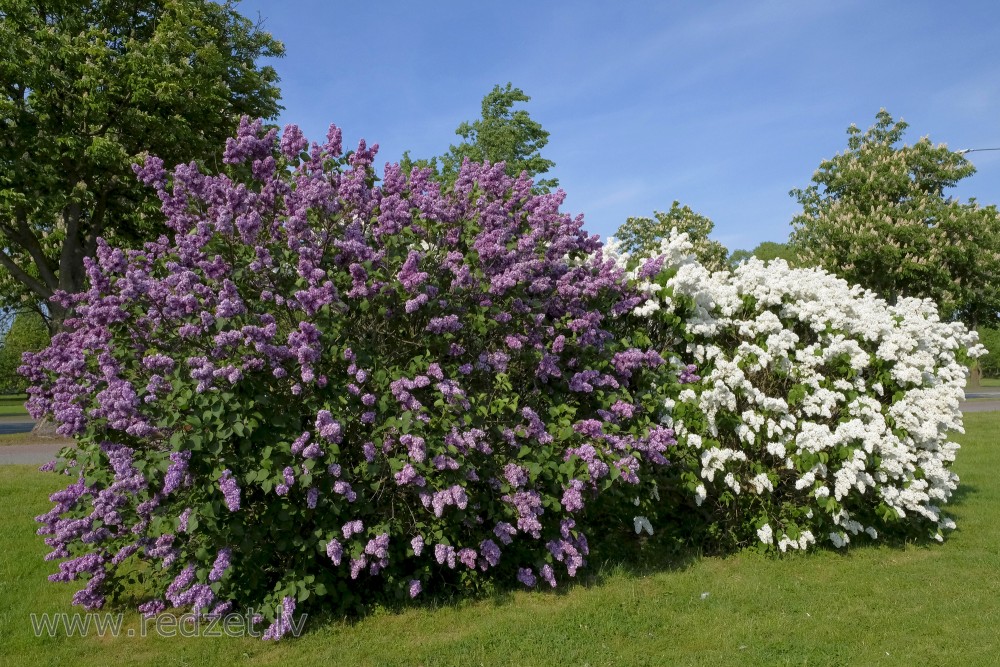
(823, 405)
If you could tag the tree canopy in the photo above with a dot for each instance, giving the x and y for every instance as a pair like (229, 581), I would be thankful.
(766, 251)
(501, 134)
(86, 88)
(877, 215)
(643, 235)
(27, 333)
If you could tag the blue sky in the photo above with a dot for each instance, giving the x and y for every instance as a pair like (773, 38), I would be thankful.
(724, 106)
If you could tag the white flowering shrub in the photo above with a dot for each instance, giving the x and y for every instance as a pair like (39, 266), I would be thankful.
(822, 413)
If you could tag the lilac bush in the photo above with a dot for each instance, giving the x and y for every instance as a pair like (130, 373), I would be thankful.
(818, 413)
(323, 390)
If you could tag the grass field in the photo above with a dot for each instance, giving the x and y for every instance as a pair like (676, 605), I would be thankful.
(28, 439)
(12, 404)
(912, 605)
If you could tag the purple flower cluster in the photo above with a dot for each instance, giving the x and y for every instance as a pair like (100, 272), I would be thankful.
(343, 362)
(230, 490)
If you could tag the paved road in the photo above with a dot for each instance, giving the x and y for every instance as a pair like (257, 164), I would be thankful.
(982, 405)
(30, 454)
(7, 426)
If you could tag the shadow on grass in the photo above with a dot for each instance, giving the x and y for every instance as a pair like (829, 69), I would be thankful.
(620, 555)
(963, 491)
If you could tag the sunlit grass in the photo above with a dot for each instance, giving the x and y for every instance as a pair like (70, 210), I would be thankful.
(13, 404)
(913, 605)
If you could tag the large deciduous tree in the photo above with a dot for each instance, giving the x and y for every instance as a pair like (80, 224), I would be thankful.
(502, 134)
(86, 88)
(643, 235)
(27, 333)
(766, 251)
(877, 215)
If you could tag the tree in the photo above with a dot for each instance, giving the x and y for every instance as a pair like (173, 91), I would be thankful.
(766, 251)
(643, 235)
(989, 363)
(500, 135)
(86, 88)
(28, 333)
(877, 215)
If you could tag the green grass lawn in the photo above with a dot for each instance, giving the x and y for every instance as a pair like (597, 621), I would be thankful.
(918, 605)
(13, 405)
(28, 439)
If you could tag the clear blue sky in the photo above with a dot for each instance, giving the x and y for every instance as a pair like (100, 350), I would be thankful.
(724, 106)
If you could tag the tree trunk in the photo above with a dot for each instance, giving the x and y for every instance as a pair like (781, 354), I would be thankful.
(976, 373)
(976, 376)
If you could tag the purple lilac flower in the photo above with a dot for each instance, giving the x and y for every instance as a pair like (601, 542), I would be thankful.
(688, 374)
(368, 449)
(526, 576)
(182, 520)
(414, 446)
(152, 608)
(516, 476)
(504, 532)
(415, 587)
(467, 557)
(352, 528)
(417, 544)
(283, 624)
(312, 451)
(230, 490)
(444, 553)
(572, 499)
(490, 552)
(408, 475)
(529, 507)
(335, 551)
(623, 410)
(300, 442)
(357, 565)
(176, 471)
(343, 488)
(221, 564)
(444, 462)
(548, 575)
(221, 609)
(328, 428)
(445, 324)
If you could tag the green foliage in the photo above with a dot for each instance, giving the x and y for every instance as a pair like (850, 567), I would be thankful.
(989, 364)
(500, 135)
(765, 252)
(877, 216)
(28, 333)
(85, 89)
(642, 236)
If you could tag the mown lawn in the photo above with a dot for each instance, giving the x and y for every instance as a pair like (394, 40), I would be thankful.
(918, 605)
(12, 404)
(28, 439)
